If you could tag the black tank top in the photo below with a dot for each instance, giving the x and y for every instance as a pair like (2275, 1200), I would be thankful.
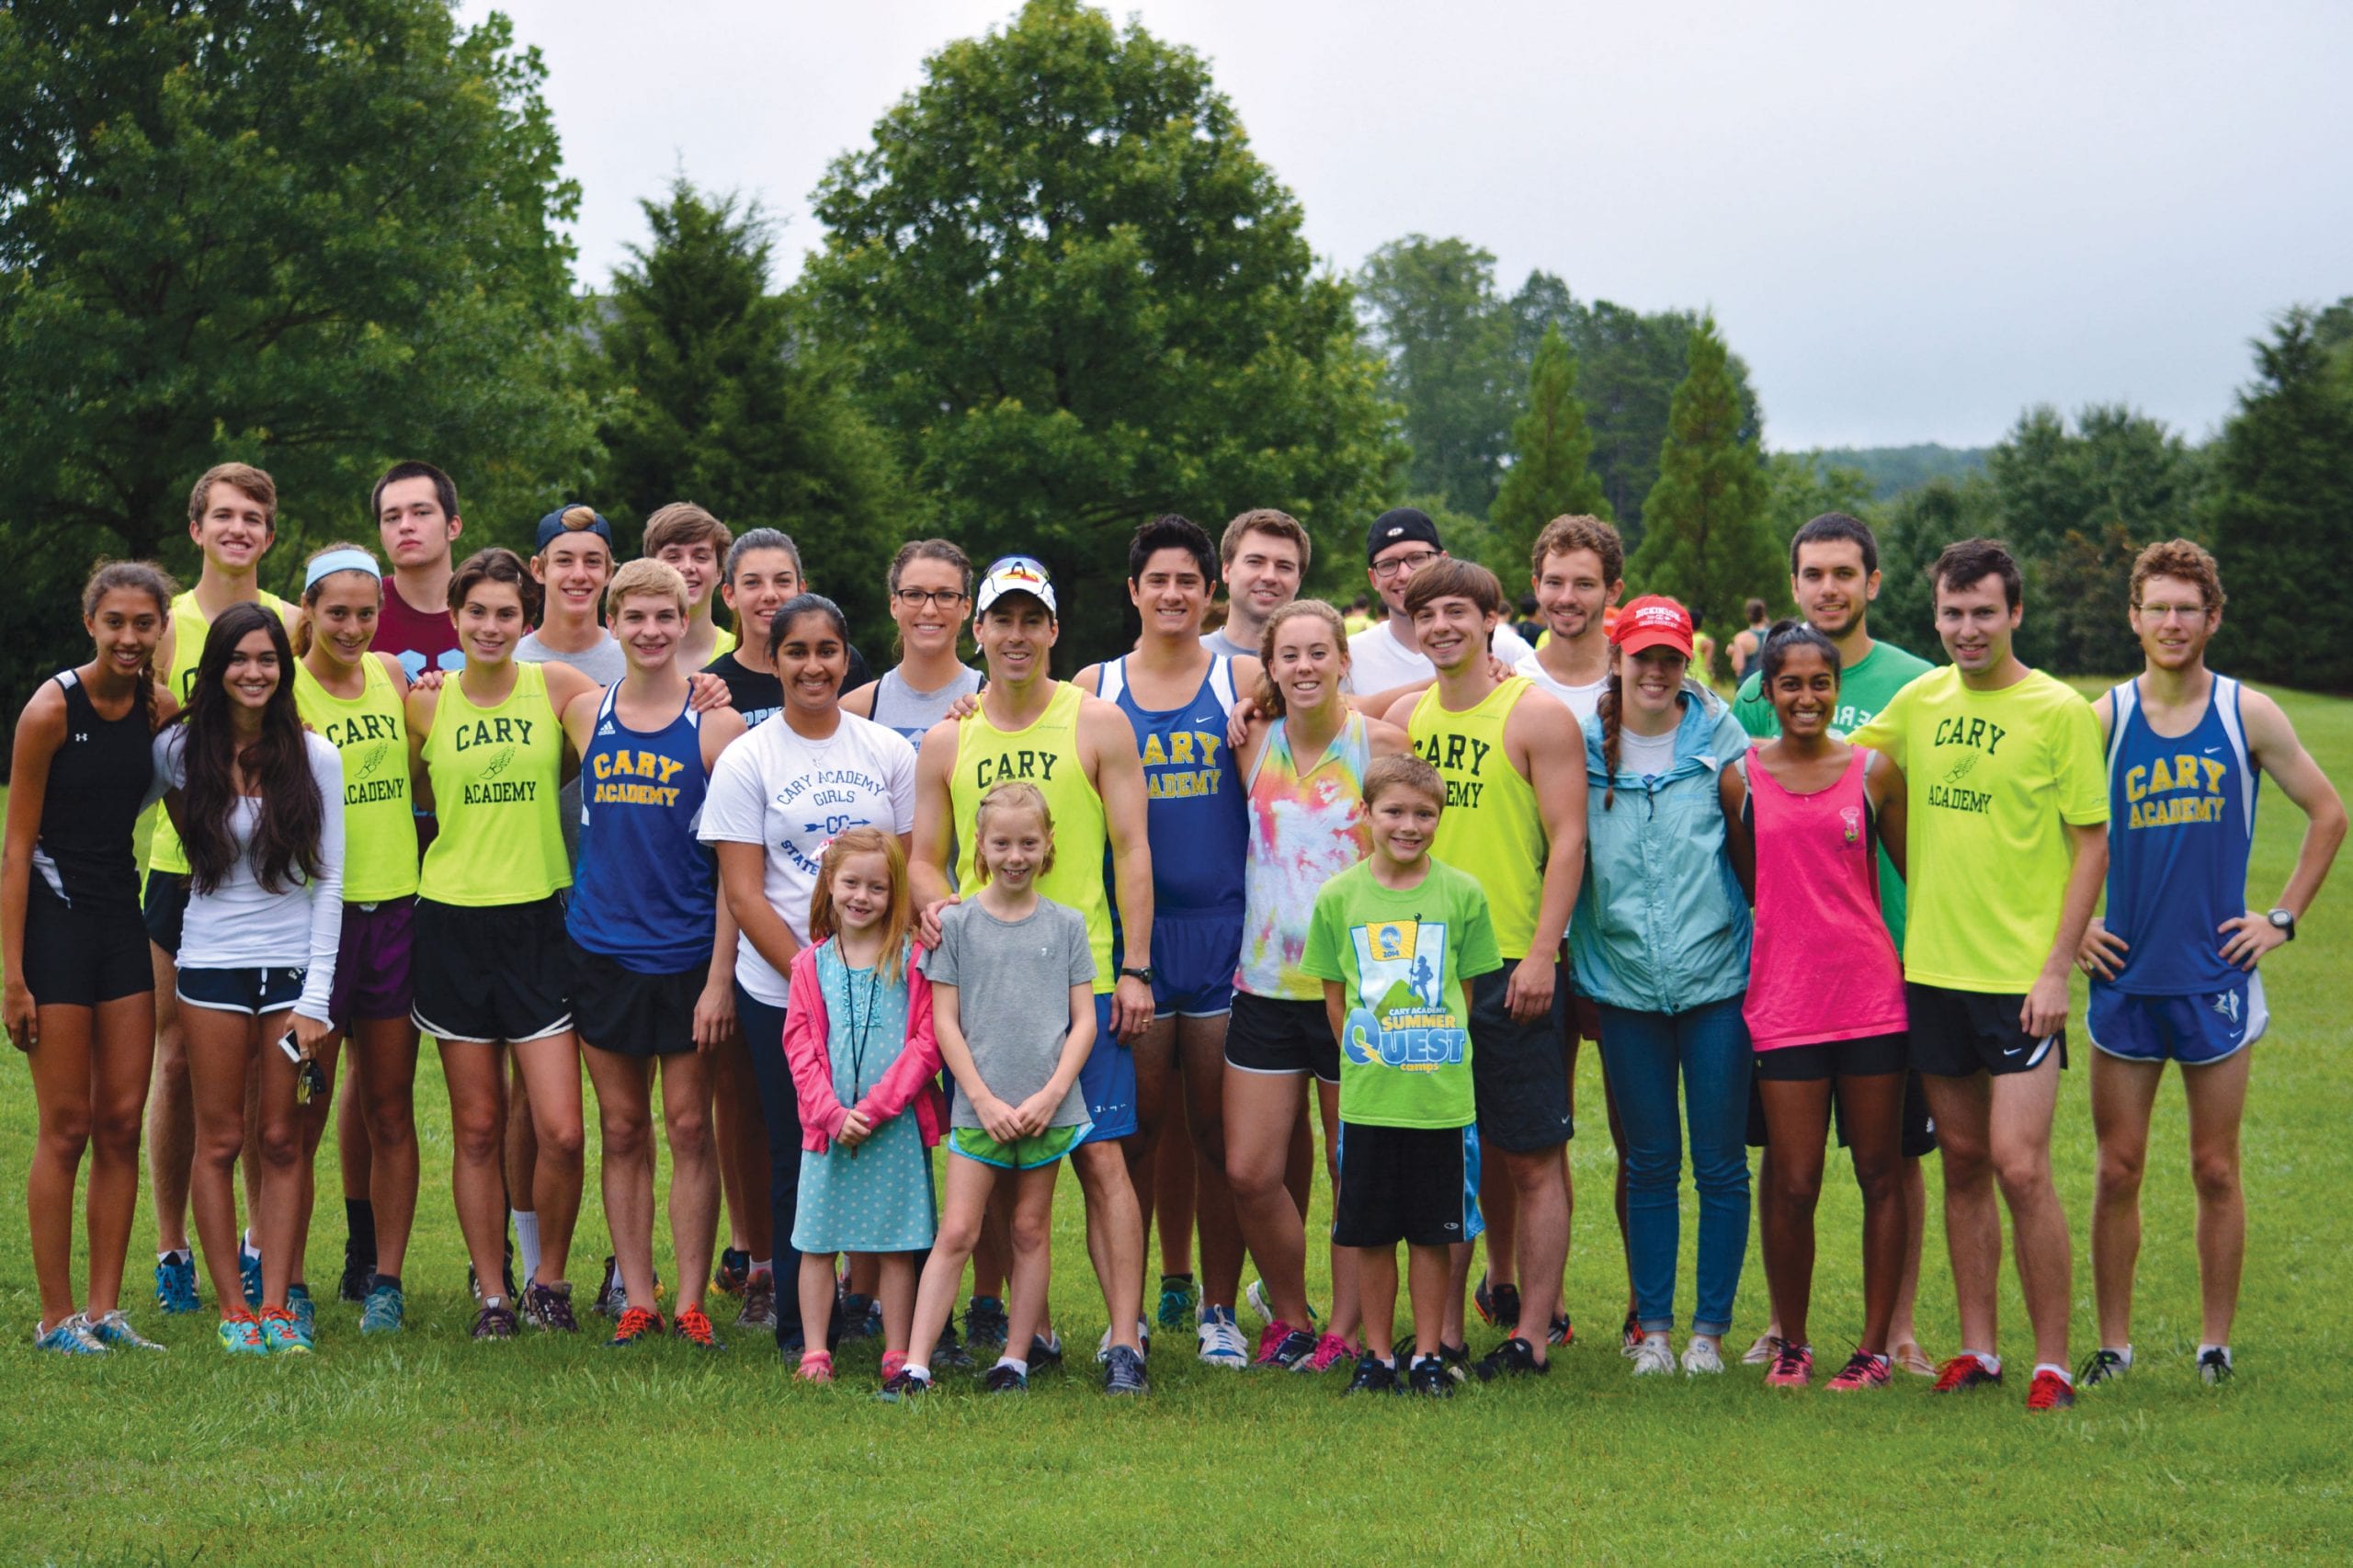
(98, 782)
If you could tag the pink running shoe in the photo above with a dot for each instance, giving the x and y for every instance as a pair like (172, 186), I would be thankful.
(891, 1361)
(1331, 1351)
(1862, 1370)
(1792, 1367)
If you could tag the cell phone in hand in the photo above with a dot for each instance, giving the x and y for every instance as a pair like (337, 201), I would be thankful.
(310, 1079)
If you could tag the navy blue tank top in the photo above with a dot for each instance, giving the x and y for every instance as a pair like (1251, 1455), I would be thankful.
(97, 782)
(1197, 815)
(644, 893)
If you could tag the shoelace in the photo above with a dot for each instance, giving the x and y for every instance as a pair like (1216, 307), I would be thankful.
(2098, 1366)
(1956, 1373)
(1862, 1367)
(634, 1321)
(695, 1326)
(2050, 1392)
(1791, 1360)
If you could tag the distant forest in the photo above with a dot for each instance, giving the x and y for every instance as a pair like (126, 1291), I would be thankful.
(1893, 470)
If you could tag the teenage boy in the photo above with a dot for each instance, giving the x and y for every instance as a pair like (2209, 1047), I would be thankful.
(416, 508)
(2007, 808)
(1394, 939)
(684, 536)
(1834, 576)
(2172, 965)
(1178, 698)
(1516, 821)
(1384, 661)
(1081, 753)
(1263, 559)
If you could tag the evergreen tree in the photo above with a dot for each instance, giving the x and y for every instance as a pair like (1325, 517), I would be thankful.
(1551, 448)
(1705, 539)
(1434, 313)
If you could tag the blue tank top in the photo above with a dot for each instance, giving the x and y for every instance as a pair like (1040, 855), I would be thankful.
(1197, 815)
(2181, 817)
(644, 893)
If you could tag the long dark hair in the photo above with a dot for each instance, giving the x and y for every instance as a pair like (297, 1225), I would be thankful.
(278, 765)
(139, 577)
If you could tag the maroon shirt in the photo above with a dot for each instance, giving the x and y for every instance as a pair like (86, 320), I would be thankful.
(418, 641)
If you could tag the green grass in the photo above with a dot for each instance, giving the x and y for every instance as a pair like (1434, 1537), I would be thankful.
(427, 1447)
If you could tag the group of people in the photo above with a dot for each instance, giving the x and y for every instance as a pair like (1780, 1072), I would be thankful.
(549, 811)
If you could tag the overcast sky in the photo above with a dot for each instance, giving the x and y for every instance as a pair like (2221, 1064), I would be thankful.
(1911, 224)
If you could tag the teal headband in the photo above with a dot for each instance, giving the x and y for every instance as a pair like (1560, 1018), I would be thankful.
(335, 560)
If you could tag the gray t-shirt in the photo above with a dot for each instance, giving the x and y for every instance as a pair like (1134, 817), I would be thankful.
(605, 663)
(898, 706)
(1013, 980)
(1219, 643)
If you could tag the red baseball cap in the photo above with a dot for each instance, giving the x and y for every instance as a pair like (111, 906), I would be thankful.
(1653, 621)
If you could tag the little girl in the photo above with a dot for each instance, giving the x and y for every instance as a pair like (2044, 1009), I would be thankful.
(1013, 999)
(858, 1032)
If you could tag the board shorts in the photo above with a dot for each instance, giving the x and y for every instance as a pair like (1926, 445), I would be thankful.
(2193, 1031)
(79, 957)
(1519, 1072)
(1281, 1036)
(1193, 960)
(629, 1014)
(163, 906)
(253, 991)
(374, 961)
(1958, 1033)
(1021, 1154)
(1415, 1185)
(500, 972)
(1107, 1081)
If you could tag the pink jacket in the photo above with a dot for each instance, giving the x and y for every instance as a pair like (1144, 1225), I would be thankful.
(912, 1079)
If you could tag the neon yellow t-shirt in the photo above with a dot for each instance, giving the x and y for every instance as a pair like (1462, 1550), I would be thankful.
(1991, 777)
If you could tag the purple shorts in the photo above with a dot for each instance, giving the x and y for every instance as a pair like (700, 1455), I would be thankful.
(371, 966)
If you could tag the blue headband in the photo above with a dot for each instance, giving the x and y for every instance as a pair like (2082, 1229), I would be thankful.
(335, 560)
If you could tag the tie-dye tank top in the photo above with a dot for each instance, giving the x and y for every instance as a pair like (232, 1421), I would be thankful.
(1305, 829)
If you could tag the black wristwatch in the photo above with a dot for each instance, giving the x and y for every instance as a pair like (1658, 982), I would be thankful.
(1143, 974)
(2283, 922)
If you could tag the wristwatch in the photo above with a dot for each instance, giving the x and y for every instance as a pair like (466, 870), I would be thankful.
(2283, 922)
(1144, 974)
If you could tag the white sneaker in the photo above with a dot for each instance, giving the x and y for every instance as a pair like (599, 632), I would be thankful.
(1653, 1356)
(1221, 1340)
(1701, 1355)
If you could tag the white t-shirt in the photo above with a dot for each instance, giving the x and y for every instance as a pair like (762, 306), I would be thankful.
(793, 796)
(242, 925)
(1376, 663)
(1645, 756)
(1583, 700)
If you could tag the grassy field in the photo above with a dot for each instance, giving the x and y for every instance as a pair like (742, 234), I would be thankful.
(427, 1447)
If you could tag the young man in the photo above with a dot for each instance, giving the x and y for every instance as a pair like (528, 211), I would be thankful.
(1081, 753)
(415, 507)
(232, 518)
(2174, 963)
(1516, 821)
(1263, 559)
(1833, 575)
(1178, 697)
(1384, 660)
(2008, 809)
(1749, 641)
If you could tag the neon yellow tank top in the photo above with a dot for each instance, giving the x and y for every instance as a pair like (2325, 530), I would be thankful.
(1046, 755)
(190, 625)
(379, 826)
(1490, 827)
(722, 642)
(494, 773)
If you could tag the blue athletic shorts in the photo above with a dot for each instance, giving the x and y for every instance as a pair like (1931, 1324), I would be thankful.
(255, 991)
(2192, 1030)
(1193, 960)
(1108, 1080)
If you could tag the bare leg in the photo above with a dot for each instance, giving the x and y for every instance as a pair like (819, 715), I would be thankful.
(63, 1078)
(1499, 1207)
(2217, 1096)
(1903, 1329)
(743, 1148)
(625, 1128)
(1427, 1278)
(1260, 1110)
(551, 1067)
(1797, 1120)
(1540, 1188)
(284, 1137)
(1376, 1272)
(1114, 1236)
(122, 1056)
(1964, 1108)
(1031, 1233)
(383, 1055)
(816, 1287)
(1200, 1047)
(694, 1171)
(171, 1115)
(476, 1074)
(897, 1280)
(2123, 1093)
(1872, 1108)
(1175, 1189)
(355, 1152)
(2020, 1131)
(964, 1200)
(220, 1052)
(1347, 1317)
(1157, 1090)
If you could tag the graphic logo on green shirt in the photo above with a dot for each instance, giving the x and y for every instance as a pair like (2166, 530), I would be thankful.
(1400, 1019)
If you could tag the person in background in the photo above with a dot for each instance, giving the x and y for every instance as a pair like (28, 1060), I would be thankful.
(1384, 661)
(1262, 559)
(1748, 642)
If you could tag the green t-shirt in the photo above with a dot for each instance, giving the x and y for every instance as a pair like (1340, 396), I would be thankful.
(1989, 776)
(1864, 688)
(1403, 957)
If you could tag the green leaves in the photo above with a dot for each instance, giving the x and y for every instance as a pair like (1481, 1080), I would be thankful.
(1549, 476)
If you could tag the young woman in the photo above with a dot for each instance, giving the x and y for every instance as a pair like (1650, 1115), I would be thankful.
(1660, 941)
(861, 1038)
(931, 588)
(354, 698)
(1303, 768)
(257, 801)
(1806, 813)
(492, 965)
(646, 987)
(80, 995)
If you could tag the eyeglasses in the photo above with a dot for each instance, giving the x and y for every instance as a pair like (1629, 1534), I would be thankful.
(2172, 612)
(915, 599)
(1385, 570)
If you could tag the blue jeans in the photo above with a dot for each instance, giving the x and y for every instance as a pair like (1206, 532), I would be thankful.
(1642, 1053)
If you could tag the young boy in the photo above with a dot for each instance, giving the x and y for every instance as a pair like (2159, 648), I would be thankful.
(1393, 940)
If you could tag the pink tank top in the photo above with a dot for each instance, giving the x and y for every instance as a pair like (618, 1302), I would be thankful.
(1823, 967)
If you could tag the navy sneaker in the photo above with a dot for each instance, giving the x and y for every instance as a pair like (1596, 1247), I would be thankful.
(903, 1385)
(249, 1275)
(1044, 1352)
(1001, 1379)
(1123, 1372)
(984, 1325)
(1372, 1375)
(1431, 1378)
(1497, 1307)
(734, 1271)
(948, 1352)
(176, 1284)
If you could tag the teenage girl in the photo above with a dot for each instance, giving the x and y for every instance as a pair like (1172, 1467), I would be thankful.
(1805, 815)
(254, 797)
(491, 967)
(859, 1034)
(1013, 999)
(354, 698)
(80, 995)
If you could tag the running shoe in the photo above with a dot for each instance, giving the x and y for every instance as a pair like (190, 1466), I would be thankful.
(299, 1303)
(1103, 1346)
(1792, 1367)
(241, 1335)
(1498, 1307)
(1222, 1344)
(693, 1325)
(1123, 1372)
(1431, 1378)
(359, 1273)
(1630, 1335)
(893, 1360)
(1862, 1370)
(1001, 1379)
(905, 1385)
(550, 1306)
(1456, 1357)
(1282, 1348)
(612, 1296)
(1264, 1305)
(1372, 1375)
(2103, 1366)
(385, 1309)
(734, 1272)
(816, 1367)
(950, 1352)
(1331, 1351)
(506, 1269)
(1179, 1300)
(1514, 1358)
(113, 1331)
(1653, 1356)
(636, 1323)
(1045, 1351)
(862, 1316)
(1963, 1373)
(759, 1303)
(984, 1325)
(284, 1333)
(2049, 1391)
(249, 1275)
(66, 1336)
(2214, 1366)
(1764, 1352)
(495, 1321)
(1561, 1331)
(176, 1284)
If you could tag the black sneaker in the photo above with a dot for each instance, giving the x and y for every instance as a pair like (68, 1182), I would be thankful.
(984, 1324)
(1001, 1379)
(358, 1272)
(1498, 1307)
(1562, 1332)
(550, 1306)
(473, 1282)
(903, 1385)
(2102, 1366)
(2214, 1367)
(1515, 1356)
(1431, 1377)
(1372, 1375)
(734, 1269)
(495, 1321)
(1123, 1372)
(860, 1316)
(1043, 1352)
(950, 1352)
(1456, 1358)
(1295, 1352)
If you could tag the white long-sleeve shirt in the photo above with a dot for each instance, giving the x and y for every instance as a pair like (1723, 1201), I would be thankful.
(240, 924)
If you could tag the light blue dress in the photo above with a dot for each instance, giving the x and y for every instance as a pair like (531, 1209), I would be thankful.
(877, 1197)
